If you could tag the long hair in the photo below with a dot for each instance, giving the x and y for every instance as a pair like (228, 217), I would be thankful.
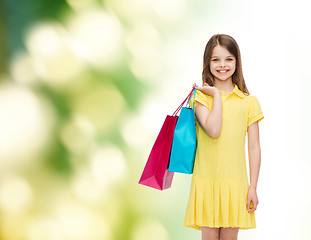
(231, 45)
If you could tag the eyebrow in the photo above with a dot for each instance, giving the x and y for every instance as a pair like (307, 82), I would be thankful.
(227, 56)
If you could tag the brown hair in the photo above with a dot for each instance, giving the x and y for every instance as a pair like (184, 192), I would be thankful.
(231, 45)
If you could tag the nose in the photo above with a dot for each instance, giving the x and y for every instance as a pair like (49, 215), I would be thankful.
(222, 63)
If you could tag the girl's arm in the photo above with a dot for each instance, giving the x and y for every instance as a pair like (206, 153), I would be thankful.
(254, 153)
(211, 121)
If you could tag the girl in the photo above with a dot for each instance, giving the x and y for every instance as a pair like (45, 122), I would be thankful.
(221, 200)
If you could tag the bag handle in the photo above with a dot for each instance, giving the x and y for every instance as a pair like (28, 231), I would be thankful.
(179, 107)
(194, 91)
(189, 96)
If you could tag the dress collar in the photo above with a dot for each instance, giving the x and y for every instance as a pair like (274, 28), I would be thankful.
(237, 91)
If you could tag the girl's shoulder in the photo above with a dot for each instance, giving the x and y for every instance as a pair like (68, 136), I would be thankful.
(251, 98)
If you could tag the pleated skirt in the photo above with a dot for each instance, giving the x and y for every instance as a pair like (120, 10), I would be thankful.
(218, 203)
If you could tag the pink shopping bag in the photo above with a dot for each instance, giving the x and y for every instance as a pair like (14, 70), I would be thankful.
(155, 173)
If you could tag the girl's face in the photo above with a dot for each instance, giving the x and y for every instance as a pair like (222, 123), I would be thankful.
(222, 64)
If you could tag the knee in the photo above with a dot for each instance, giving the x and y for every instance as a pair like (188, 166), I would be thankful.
(227, 238)
(210, 238)
(210, 233)
(228, 234)
(204, 237)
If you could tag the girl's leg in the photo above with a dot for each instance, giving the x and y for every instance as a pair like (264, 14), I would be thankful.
(210, 233)
(229, 233)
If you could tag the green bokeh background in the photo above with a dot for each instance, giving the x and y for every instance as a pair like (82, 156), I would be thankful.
(85, 86)
(74, 75)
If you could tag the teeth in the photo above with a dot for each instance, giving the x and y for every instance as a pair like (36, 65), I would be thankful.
(223, 71)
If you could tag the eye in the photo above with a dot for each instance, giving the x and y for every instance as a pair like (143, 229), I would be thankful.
(214, 59)
(230, 59)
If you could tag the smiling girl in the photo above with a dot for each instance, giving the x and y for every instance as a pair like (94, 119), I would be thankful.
(221, 200)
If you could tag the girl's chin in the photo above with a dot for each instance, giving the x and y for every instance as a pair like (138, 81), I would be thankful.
(222, 78)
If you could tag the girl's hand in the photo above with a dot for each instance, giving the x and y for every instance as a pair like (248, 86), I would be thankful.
(252, 197)
(207, 89)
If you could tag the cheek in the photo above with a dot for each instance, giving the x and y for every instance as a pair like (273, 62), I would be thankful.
(232, 66)
(212, 66)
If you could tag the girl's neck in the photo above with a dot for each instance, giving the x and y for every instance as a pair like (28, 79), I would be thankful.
(226, 86)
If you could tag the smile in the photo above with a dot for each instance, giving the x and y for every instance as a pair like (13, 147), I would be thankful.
(222, 71)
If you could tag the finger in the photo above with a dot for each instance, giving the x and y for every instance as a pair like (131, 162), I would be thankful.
(252, 210)
(252, 207)
(248, 204)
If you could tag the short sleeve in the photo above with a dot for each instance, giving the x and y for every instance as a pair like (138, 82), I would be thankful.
(199, 97)
(255, 112)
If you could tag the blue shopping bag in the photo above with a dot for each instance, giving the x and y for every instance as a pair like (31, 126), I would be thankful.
(184, 144)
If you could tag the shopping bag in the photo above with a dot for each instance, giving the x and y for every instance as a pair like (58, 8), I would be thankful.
(184, 143)
(156, 173)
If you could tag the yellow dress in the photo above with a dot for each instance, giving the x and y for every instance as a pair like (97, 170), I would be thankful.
(219, 185)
